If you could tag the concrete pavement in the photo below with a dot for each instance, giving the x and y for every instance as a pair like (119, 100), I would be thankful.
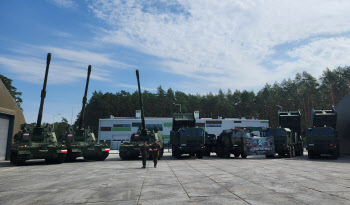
(211, 180)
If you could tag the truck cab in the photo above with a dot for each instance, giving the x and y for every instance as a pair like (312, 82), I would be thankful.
(322, 140)
(321, 135)
(185, 138)
(283, 141)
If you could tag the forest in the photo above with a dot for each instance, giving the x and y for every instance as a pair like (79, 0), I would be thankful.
(303, 92)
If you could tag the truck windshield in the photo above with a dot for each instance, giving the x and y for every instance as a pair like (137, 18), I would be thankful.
(191, 132)
(275, 132)
(320, 132)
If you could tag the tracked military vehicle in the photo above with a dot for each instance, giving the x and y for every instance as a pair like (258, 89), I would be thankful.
(39, 142)
(185, 138)
(322, 136)
(82, 142)
(131, 149)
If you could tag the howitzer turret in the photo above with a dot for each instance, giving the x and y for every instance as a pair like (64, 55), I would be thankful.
(43, 91)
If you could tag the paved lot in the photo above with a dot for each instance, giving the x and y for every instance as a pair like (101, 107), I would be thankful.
(212, 180)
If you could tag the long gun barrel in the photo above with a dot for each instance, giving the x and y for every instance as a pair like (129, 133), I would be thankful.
(84, 99)
(43, 91)
(140, 99)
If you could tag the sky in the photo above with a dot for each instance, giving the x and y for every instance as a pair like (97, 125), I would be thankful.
(194, 46)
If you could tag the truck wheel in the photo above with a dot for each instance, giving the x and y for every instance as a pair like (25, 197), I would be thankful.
(301, 151)
(237, 154)
(226, 154)
(219, 153)
(310, 154)
(199, 155)
(290, 152)
(244, 155)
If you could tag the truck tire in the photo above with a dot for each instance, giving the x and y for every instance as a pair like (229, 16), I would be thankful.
(199, 155)
(236, 154)
(244, 155)
(310, 154)
(207, 153)
(290, 152)
(269, 156)
(219, 153)
(226, 154)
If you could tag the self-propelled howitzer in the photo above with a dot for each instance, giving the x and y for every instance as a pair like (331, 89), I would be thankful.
(82, 141)
(131, 150)
(39, 142)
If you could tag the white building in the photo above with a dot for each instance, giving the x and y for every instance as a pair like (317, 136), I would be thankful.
(119, 129)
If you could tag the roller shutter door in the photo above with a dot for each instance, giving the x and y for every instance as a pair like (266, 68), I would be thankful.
(4, 129)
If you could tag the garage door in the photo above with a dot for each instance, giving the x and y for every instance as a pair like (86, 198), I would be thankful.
(4, 129)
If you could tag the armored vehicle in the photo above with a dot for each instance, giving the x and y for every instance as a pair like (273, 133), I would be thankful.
(39, 142)
(82, 142)
(131, 149)
(292, 121)
(185, 138)
(283, 141)
(322, 136)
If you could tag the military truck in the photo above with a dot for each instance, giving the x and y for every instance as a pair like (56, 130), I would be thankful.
(322, 134)
(82, 141)
(230, 141)
(185, 138)
(39, 142)
(283, 141)
(292, 121)
(131, 149)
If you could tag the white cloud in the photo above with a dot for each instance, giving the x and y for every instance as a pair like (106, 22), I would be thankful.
(63, 3)
(67, 65)
(223, 44)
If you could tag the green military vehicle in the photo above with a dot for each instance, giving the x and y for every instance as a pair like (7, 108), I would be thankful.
(131, 149)
(185, 138)
(292, 121)
(39, 142)
(230, 141)
(283, 141)
(322, 135)
(82, 142)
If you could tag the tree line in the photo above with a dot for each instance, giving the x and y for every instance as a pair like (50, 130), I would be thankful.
(303, 92)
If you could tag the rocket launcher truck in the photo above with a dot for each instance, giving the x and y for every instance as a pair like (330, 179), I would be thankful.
(185, 138)
(322, 135)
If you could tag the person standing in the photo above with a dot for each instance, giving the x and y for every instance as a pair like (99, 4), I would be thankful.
(155, 129)
(144, 153)
(155, 152)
